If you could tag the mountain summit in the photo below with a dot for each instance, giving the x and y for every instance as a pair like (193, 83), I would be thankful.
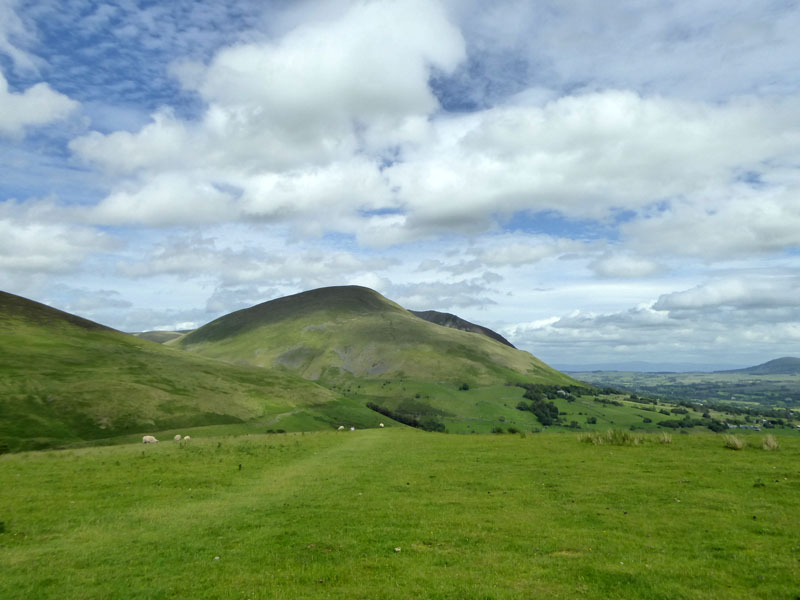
(353, 331)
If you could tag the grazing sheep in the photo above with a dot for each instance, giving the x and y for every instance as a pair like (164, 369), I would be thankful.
(341, 428)
(177, 437)
(380, 425)
(352, 429)
(186, 437)
(149, 439)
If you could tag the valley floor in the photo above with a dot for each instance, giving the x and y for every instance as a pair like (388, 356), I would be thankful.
(399, 513)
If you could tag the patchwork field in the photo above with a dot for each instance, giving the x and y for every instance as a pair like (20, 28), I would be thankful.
(399, 513)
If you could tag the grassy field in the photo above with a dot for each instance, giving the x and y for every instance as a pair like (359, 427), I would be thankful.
(399, 513)
(769, 390)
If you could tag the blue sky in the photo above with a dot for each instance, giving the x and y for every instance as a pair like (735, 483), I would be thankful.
(602, 184)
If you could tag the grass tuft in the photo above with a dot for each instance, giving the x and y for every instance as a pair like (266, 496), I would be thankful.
(664, 438)
(770, 443)
(734, 443)
(612, 437)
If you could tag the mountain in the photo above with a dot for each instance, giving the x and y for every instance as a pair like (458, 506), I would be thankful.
(64, 379)
(340, 333)
(449, 320)
(780, 366)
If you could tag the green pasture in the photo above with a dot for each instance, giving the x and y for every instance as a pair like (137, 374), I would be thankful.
(399, 513)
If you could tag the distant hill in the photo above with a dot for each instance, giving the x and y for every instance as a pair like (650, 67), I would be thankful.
(160, 337)
(450, 320)
(780, 366)
(350, 332)
(65, 379)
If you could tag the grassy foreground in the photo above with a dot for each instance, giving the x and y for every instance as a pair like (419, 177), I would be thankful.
(402, 514)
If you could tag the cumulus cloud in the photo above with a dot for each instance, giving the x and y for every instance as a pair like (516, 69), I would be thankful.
(588, 155)
(47, 248)
(186, 257)
(36, 106)
(752, 292)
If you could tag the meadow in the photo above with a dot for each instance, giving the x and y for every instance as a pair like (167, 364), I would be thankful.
(400, 513)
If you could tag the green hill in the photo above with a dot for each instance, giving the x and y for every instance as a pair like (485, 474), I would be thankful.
(456, 322)
(780, 366)
(66, 379)
(373, 351)
(342, 333)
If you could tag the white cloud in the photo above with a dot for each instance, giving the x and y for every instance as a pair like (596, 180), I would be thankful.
(13, 29)
(731, 222)
(38, 105)
(46, 248)
(589, 155)
(745, 292)
(625, 266)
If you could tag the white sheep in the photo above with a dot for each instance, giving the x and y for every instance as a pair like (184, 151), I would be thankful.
(352, 429)
(149, 439)
(380, 425)
(177, 437)
(341, 428)
(186, 437)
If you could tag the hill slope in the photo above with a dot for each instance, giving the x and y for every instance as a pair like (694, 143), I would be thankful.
(455, 322)
(64, 378)
(780, 366)
(354, 332)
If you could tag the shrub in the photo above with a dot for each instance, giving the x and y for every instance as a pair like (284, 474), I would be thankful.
(612, 437)
(734, 443)
(464, 387)
(591, 420)
(770, 443)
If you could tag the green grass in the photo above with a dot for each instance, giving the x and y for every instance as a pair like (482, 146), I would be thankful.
(320, 515)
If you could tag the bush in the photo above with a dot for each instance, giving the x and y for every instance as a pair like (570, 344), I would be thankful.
(591, 420)
(612, 437)
(464, 387)
(770, 443)
(734, 443)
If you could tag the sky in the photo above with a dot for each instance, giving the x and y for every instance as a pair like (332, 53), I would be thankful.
(603, 183)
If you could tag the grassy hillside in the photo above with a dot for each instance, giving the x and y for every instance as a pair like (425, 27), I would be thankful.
(402, 514)
(65, 379)
(337, 333)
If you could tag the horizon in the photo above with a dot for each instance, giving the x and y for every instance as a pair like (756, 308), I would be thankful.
(596, 198)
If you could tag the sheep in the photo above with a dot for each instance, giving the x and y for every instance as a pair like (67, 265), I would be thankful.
(149, 439)
(352, 429)
(177, 437)
(380, 425)
(341, 428)
(186, 438)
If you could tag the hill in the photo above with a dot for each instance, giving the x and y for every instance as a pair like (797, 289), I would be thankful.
(65, 379)
(780, 366)
(455, 322)
(353, 332)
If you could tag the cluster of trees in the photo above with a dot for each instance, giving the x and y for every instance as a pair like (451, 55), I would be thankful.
(607, 401)
(428, 423)
(545, 411)
(688, 422)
